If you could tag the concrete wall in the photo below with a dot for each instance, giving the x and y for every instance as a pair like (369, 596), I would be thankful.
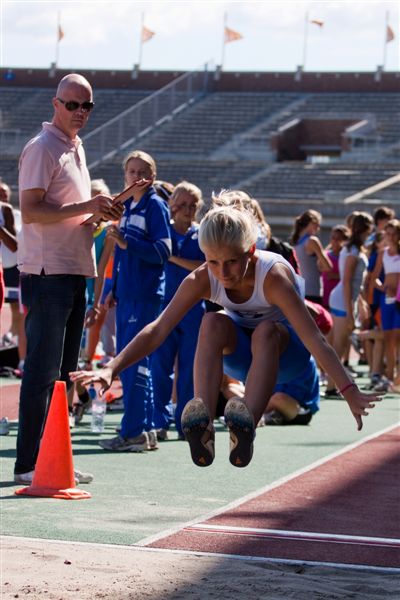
(219, 81)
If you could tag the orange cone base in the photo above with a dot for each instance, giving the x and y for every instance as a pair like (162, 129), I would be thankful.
(42, 492)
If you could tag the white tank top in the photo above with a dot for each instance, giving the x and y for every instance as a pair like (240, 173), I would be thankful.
(256, 308)
(391, 263)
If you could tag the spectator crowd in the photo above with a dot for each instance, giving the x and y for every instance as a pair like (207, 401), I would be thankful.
(85, 275)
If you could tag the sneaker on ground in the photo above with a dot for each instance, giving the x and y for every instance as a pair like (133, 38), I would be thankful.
(4, 426)
(383, 385)
(351, 371)
(162, 434)
(7, 339)
(199, 432)
(303, 417)
(71, 419)
(332, 393)
(27, 478)
(274, 417)
(152, 435)
(122, 444)
(241, 432)
(81, 406)
(24, 478)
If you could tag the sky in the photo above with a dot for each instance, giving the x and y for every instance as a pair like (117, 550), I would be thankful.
(106, 35)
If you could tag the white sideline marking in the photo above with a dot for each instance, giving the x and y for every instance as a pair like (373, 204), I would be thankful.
(167, 532)
(258, 559)
(334, 538)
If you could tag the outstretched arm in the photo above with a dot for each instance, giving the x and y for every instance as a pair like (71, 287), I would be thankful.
(192, 289)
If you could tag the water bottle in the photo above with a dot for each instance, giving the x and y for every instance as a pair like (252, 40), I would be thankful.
(98, 410)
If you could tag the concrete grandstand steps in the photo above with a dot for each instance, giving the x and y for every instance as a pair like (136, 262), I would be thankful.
(254, 142)
(208, 175)
(213, 121)
(24, 109)
(299, 180)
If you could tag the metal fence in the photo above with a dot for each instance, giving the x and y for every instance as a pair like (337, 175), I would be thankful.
(126, 129)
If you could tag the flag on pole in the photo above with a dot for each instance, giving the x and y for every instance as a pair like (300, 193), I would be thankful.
(317, 22)
(60, 33)
(389, 34)
(147, 34)
(231, 35)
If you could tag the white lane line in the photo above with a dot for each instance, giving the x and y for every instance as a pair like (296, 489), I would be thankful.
(167, 532)
(307, 536)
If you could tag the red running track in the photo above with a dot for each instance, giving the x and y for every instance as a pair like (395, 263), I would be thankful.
(344, 511)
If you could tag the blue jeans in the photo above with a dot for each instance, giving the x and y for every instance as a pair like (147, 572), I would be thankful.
(56, 311)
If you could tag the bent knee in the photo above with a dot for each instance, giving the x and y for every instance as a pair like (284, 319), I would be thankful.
(215, 324)
(266, 331)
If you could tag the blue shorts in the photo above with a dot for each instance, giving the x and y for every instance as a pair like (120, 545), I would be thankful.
(304, 388)
(390, 314)
(292, 362)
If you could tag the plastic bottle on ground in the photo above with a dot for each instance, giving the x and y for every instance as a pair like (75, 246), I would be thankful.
(98, 410)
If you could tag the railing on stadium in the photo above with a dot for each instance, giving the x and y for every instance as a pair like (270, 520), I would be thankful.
(120, 133)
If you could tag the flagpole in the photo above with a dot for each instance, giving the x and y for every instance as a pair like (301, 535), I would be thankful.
(223, 40)
(305, 41)
(58, 37)
(141, 42)
(385, 39)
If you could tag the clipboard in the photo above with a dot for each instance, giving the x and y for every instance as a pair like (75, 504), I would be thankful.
(124, 195)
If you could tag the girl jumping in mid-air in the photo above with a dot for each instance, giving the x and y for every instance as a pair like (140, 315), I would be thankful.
(264, 335)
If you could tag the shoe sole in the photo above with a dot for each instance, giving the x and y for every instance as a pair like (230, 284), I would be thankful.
(241, 431)
(196, 428)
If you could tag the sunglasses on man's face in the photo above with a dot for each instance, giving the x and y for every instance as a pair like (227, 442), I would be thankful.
(72, 105)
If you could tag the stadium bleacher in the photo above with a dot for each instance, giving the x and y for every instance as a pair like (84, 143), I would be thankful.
(223, 140)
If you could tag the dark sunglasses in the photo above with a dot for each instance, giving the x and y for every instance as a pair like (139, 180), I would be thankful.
(72, 105)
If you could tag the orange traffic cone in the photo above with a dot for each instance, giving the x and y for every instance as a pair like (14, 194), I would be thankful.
(54, 471)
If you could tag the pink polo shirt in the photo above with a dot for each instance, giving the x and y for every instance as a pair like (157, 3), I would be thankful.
(51, 161)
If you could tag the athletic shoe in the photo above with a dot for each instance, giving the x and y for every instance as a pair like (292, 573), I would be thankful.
(81, 406)
(199, 432)
(4, 426)
(121, 444)
(241, 427)
(303, 418)
(274, 417)
(152, 435)
(24, 478)
(352, 372)
(383, 385)
(332, 393)
(162, 434)
(27, 478)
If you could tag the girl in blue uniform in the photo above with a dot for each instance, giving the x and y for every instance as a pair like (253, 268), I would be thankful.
(263, 336)
(143, 246)
(181, 343)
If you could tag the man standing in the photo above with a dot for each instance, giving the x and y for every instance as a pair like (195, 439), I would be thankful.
(55, 257)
